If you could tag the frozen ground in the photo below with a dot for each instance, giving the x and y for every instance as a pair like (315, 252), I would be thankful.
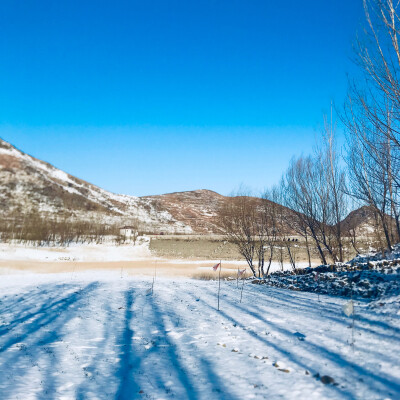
(76, 252)
(95, 335)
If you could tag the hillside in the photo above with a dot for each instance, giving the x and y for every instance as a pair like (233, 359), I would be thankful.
(361, 220)
(31, 185)
(197, 209)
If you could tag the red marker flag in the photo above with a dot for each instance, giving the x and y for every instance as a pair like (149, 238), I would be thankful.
(216, 266)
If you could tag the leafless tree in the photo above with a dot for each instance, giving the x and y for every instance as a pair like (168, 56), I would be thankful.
(333, 200)
(372, 115)
(254, 225)
(272, 211)
(279, 223)
(299, 194)
(237, 218)
(314, 188)
(368, 178)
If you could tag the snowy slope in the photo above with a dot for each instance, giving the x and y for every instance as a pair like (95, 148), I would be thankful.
(101, 337)
(27, 184)
(197, 208)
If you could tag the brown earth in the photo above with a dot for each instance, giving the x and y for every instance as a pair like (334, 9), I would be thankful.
(148, 267)
(197, 208)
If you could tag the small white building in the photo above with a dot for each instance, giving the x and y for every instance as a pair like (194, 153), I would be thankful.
(128, 231)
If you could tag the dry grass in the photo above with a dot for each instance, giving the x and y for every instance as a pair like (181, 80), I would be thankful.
(204, 248)
(41, 230)
(128, 268)
(211, 275)
(216, 248)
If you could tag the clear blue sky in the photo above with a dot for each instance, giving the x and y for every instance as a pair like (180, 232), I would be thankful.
(147, 97)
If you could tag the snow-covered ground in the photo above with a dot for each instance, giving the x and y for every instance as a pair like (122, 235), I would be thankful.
(95, 335)
(76, 252)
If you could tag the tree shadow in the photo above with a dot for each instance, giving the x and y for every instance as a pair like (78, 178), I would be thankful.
(177, 350)
(49, 319)
(130, 362)
(135, 365)
(383, 382)
(44, 316)
(289, 301)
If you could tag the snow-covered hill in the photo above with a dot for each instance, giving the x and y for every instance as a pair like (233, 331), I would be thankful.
(362, 221)
(28, 184)
(197, 208)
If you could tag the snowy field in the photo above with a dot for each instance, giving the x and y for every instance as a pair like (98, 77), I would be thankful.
(75, 252)
(94, 335)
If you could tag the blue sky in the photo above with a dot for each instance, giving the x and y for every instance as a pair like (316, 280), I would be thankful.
(148, 97)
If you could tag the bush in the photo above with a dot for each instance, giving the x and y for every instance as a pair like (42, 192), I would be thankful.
(63, 231)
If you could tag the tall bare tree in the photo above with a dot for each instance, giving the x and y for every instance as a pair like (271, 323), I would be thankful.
(334, 191)
(238, 222)
(368, 171)
(274, 225)
(299, 186)
(372, 116)
(314, 188)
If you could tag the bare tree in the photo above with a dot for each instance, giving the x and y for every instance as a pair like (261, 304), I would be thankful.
(273, 223)
(333, 197)
(254, 225)
(367, 177)
(278, 224)
(314, 188)
(299, 194)
(238, 222)
(372, 114)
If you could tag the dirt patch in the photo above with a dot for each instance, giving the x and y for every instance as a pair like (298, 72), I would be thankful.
(142, 267)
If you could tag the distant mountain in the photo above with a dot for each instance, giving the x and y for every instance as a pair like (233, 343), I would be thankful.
(197, 209)
(362, 220)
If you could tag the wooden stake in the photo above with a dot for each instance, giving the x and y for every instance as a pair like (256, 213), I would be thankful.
(154, 278)
(352, 325)
(219, 281)
(241, 292)
(352, 329)
(73, 270)
(318, 286)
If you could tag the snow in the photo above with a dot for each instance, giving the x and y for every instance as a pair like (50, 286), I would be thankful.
(76, 252)
(95, 335)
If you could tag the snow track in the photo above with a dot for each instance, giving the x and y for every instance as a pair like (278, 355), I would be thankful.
(97, 336)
